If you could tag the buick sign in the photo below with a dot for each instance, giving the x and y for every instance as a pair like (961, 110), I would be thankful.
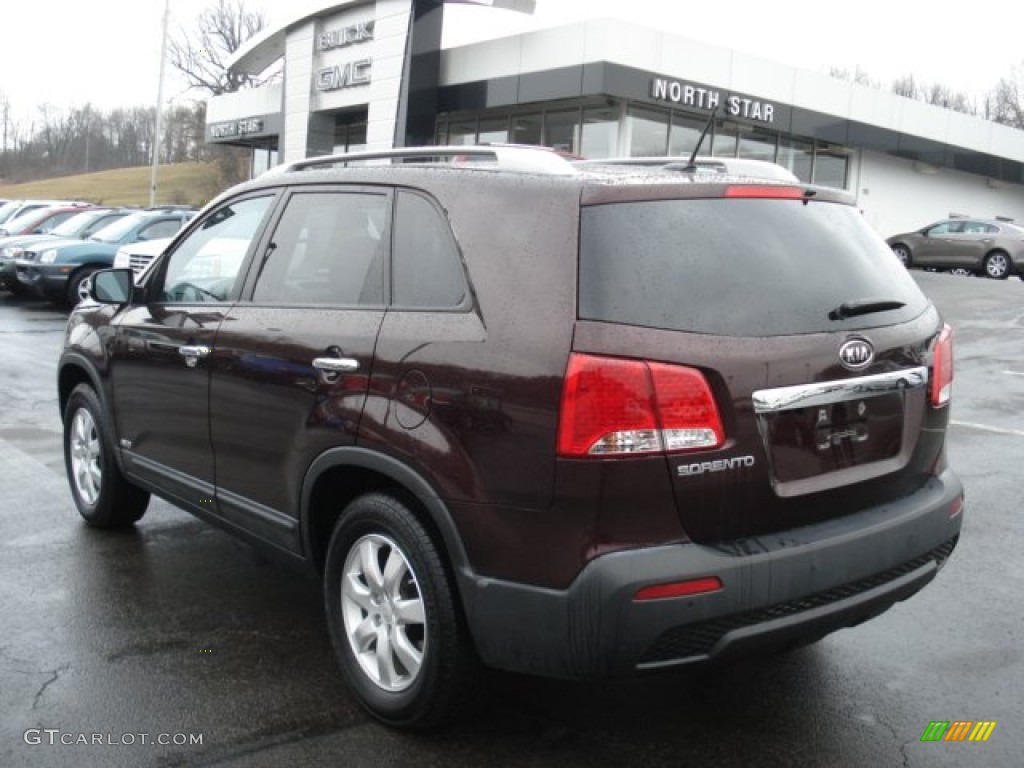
(856, 353)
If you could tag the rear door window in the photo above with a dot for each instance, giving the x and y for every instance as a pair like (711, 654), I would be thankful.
(737, 267)
(327, 248)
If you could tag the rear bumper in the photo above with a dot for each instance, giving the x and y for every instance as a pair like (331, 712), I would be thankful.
(777, 589)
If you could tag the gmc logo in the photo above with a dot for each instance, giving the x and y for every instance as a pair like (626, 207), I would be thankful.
(856, 354)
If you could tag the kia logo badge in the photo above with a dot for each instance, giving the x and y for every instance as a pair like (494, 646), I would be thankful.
(856, 354)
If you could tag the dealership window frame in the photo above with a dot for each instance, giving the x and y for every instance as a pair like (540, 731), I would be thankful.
(812, 160)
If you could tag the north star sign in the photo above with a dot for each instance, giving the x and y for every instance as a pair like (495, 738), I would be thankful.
(689, 95)
(236, 128)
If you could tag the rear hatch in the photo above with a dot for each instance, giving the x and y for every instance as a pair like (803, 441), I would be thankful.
(813, 342)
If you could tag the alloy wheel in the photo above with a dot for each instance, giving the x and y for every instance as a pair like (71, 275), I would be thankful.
(384, 613)
(996, 266)
(86, 463)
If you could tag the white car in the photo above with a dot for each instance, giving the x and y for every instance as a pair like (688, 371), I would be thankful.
(140, 255)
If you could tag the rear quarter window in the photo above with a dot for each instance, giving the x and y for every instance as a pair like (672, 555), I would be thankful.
(737, 267)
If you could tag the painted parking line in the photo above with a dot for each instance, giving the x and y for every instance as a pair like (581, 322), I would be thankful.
(987, 428)
(1014, 373)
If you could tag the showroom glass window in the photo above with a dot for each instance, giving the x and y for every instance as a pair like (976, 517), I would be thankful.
(600, 132)
(684, 134)
(492, 130)
(648, 132)
(797, 156)
(757, 143)
(725, 140)
(526, 129)
(462, 132)
(830, 168)
(562, 130)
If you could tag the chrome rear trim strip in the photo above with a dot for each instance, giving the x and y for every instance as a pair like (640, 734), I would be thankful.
(825, 392)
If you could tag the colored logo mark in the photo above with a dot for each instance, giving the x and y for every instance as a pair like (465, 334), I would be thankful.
(958, 730)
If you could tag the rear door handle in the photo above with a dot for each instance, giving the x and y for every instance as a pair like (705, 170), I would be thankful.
(336, 364)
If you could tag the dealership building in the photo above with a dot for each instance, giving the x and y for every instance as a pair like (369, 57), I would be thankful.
(373, 75)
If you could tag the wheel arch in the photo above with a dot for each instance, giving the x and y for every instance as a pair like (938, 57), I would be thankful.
(86, 266)
(339, 475)
(905, 246)
(72, 372)
(1004, 252)
(75, 369)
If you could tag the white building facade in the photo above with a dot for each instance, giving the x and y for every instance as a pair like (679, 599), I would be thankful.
(371, 75)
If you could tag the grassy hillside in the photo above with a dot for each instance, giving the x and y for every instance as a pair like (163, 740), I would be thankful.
(182, 183)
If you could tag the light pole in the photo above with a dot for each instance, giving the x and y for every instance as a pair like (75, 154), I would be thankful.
(159, 107)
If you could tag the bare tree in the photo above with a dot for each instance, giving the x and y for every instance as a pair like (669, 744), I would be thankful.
(856, 75)
(906, 86)
(202, 56)
(1006, 102)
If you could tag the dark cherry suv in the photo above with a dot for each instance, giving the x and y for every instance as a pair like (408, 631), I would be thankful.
(567, 419)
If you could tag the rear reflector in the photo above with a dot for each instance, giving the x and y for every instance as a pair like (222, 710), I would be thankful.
(615, 407)
(765, 192)
(942, 368)
(678, 589)
(956, 507)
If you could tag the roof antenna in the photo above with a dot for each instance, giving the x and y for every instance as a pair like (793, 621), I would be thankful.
(707, 127)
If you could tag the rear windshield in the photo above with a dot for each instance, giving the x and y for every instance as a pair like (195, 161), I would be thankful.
(737, 267)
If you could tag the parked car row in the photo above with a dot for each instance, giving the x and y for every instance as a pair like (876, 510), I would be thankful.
(993, 248)
(48, 249)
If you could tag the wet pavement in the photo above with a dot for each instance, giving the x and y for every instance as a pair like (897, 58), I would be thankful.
(174, 632)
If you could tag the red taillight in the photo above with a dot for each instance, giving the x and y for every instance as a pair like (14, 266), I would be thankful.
(615, 407)
(765, 191)
(679, 589)
(942, 368)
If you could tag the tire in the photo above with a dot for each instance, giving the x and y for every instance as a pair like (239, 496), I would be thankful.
(73, 294)
(381, 556)
(103, 497)
(997, 265)
(903, 254)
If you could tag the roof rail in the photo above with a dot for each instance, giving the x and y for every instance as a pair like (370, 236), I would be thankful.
(514, 157)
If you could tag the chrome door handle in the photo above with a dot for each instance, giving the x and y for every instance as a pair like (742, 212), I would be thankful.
(193, 354)
(336, 364)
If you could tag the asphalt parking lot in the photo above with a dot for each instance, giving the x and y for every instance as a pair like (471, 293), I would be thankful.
(174, 631)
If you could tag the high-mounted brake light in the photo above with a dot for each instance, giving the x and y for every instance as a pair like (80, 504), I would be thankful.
(942, 368)
(765, 192)
(613, 407)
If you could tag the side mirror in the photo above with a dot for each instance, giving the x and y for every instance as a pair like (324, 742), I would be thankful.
(112, 286)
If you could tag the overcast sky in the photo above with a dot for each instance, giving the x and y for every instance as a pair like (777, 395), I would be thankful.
(106, 52)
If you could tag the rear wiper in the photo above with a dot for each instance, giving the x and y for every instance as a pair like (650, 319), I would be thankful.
(863, 307)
